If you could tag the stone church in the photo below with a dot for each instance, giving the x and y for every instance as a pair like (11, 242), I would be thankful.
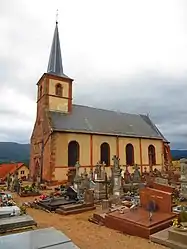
(64, 132)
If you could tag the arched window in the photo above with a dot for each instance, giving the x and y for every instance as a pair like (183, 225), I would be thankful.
(129, 154)
(105, 153)
(151, 155)
(73, 153)
(40, 91)
(58, 90)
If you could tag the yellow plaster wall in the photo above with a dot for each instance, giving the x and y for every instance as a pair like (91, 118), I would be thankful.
(97, 141)
(62, 140)
(26, 172)
(56, 103)
(158, 144)
(65, 86)
(122, 153)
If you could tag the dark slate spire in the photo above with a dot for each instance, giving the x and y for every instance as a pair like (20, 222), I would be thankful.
(55, 59)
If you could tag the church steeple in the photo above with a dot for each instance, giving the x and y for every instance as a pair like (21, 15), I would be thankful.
(55, 60)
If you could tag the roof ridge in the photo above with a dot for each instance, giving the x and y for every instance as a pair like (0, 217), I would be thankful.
(108, 110)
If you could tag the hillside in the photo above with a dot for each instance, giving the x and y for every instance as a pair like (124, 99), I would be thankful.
(14, 152)
(20, 152)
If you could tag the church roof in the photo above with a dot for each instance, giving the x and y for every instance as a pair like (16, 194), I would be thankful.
(55, 60)
(92, 120)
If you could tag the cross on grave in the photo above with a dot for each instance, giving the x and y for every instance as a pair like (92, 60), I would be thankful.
(127, 175)
(136, 174)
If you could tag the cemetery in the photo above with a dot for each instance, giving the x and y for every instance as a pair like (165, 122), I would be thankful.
(144, 205)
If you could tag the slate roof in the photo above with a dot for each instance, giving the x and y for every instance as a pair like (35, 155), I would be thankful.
(55, 59)
(93, 120)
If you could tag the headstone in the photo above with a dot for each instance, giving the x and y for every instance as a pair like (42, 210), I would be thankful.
(88, 196)
(136, 174)
(106, 204)
(127, 176)
(183, 179)
(161, 180)
(117, 187)
(91, 174)
(77, 180)
(100, 191)
(96, 171)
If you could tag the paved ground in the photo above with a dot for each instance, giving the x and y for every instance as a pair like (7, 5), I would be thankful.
(87, 235)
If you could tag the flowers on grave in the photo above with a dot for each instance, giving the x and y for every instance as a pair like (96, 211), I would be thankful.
(183, 215)
(29, 189)
(176, 223)
(23, 210)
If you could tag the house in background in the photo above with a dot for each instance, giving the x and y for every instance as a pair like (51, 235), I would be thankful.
(11, 168)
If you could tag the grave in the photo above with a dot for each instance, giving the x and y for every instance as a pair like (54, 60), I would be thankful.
(55, 203)
(75, 208)
(100, 188)
(170, 237)
(137, 222)
(145, 220)
(48, 238)
(16, 222)
(116, 173)
(13, 210)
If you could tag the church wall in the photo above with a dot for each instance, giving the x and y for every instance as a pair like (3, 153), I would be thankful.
(63, 140)
(117, 146)
(58, 103)
(158, 144)
(122, 152)
(97, 141)
(53, 83)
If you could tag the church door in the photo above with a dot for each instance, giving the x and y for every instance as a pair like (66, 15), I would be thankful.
(73, 153)
(105, 153)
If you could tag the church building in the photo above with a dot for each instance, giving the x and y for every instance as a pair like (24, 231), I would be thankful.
(64, 132)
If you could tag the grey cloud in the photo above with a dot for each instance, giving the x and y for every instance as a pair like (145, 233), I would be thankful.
(163, 98)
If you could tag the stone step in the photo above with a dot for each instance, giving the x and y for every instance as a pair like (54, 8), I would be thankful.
(75, 206)
(162, 239)
(177, 236)
(75, 211)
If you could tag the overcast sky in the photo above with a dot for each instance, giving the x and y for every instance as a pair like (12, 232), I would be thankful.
(124, 55)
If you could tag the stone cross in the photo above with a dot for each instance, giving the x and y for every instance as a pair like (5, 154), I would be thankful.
(136, 175)
(116, 162)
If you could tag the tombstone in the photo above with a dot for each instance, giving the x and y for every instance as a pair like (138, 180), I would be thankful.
(85, 182)
(88, 196)
(77, 180)
(136, 174)
(96, 171)
(183, 179)
(91, 174)
(161, 180)
(100, 188)
(127, 176)
(103, 172)
(117, 187)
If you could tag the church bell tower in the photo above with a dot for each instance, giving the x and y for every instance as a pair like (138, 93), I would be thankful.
(54, 87)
